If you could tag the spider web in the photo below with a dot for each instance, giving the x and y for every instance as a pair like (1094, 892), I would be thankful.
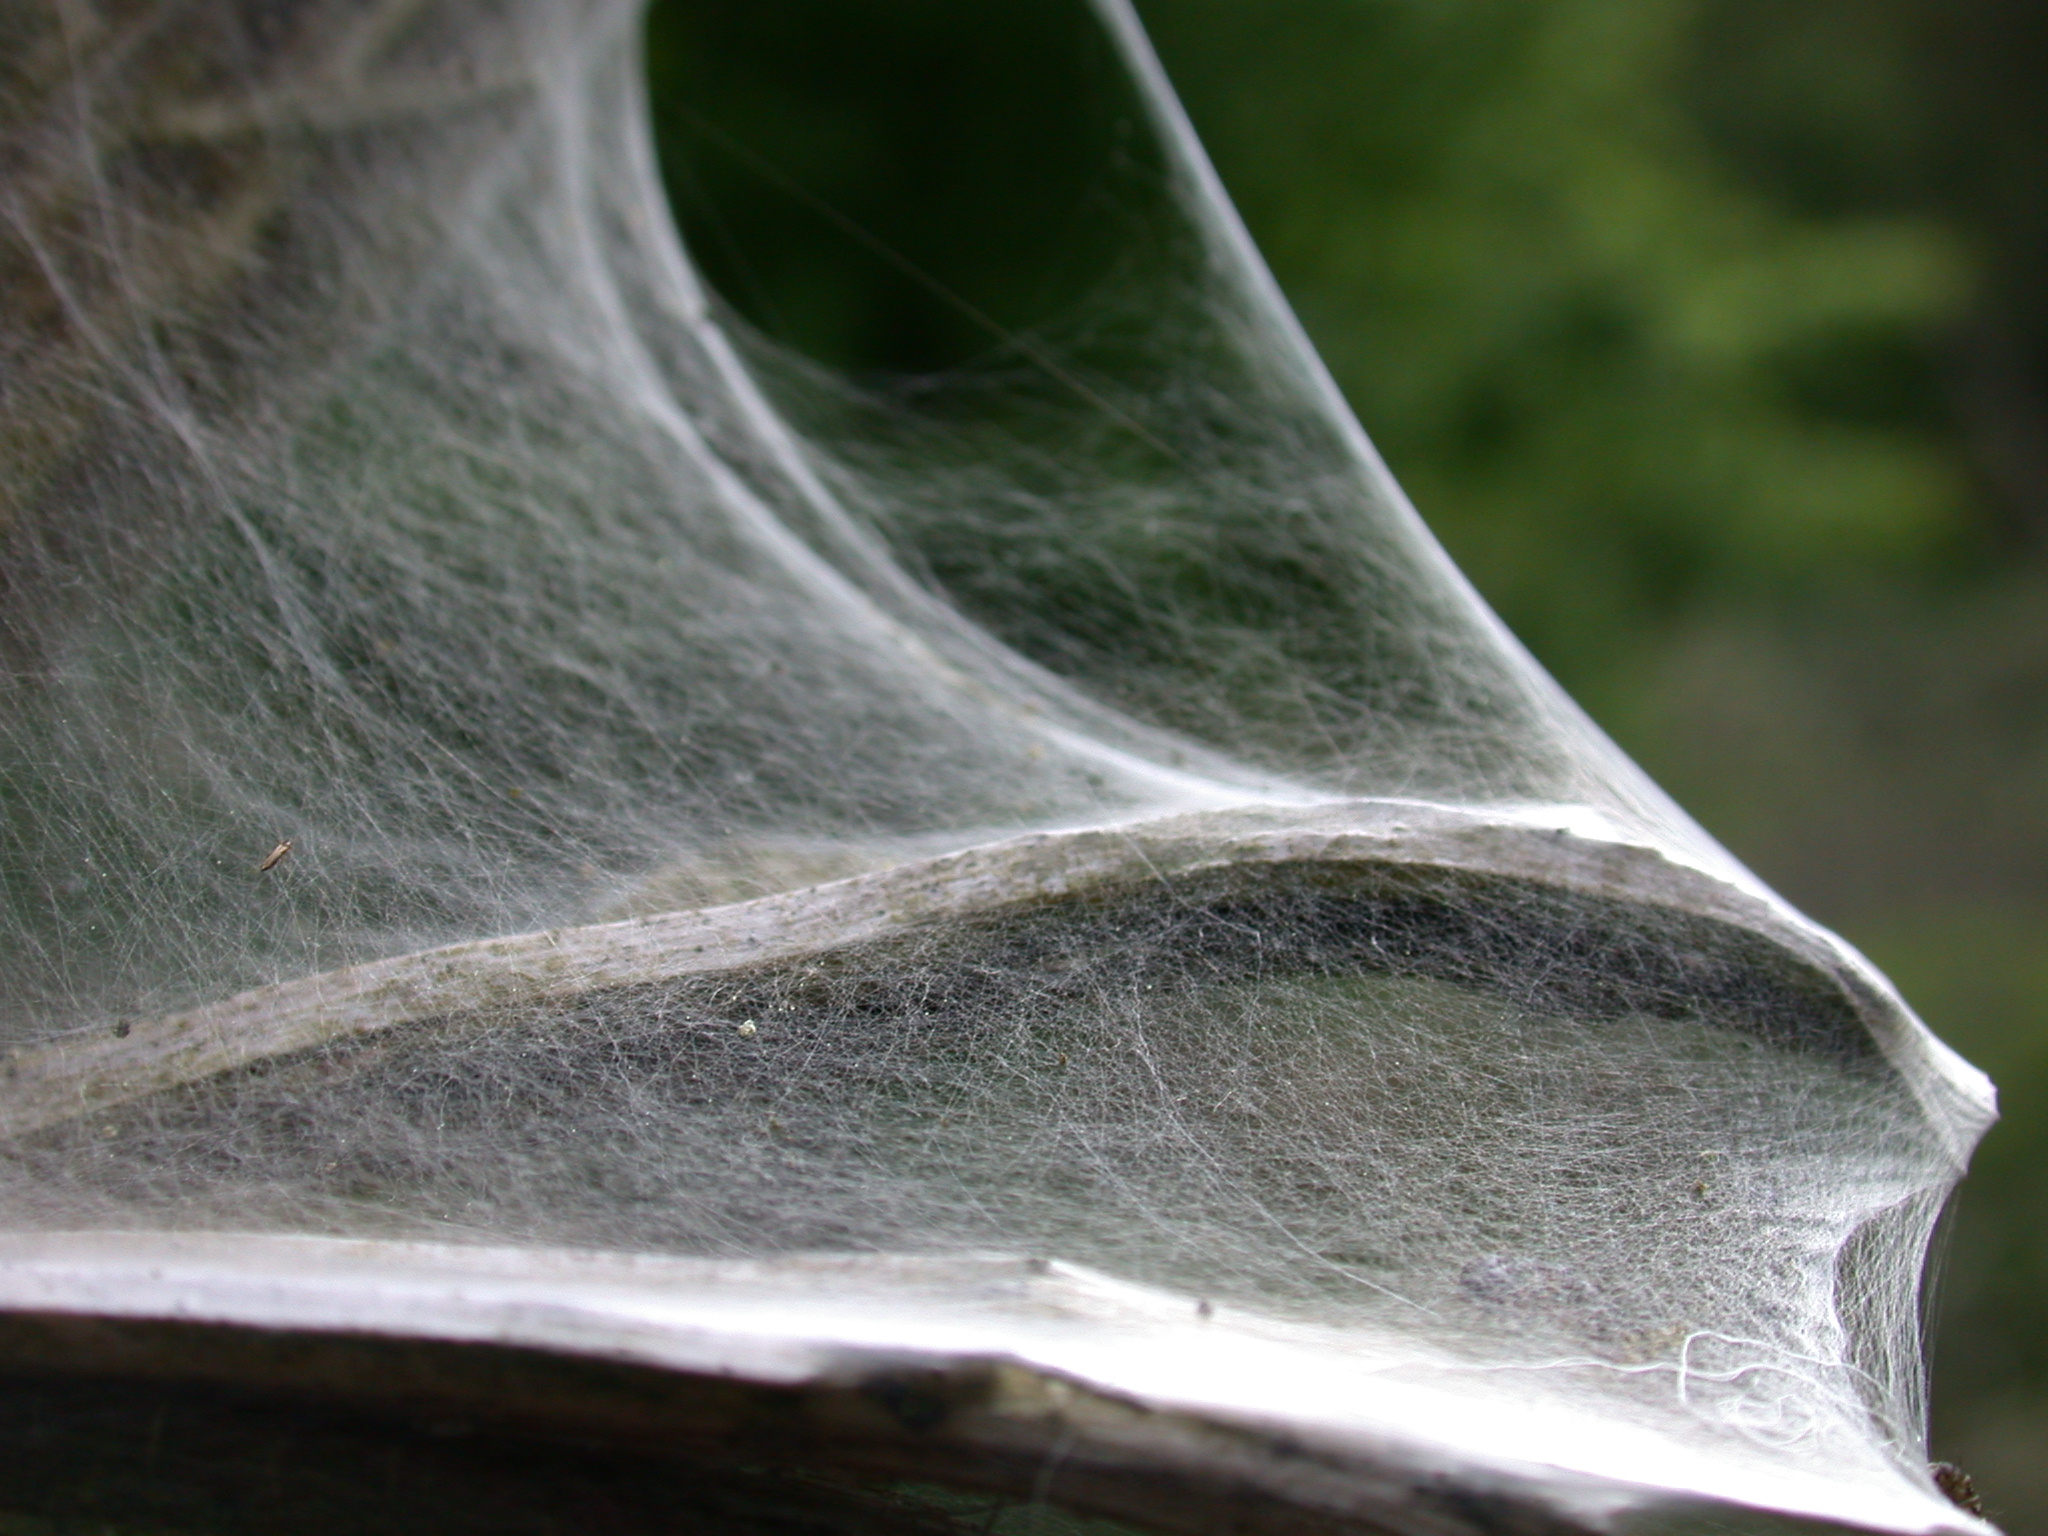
(735, 817)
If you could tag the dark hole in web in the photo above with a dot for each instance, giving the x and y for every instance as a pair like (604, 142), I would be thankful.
(898, 187)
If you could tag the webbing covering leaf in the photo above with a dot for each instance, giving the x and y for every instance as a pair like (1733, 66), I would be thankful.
(728, 931)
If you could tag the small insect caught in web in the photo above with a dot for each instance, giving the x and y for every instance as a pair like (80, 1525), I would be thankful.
(277, 857)
(1958, 1485)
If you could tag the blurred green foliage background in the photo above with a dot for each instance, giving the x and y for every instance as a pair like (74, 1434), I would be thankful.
(1710, 335)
